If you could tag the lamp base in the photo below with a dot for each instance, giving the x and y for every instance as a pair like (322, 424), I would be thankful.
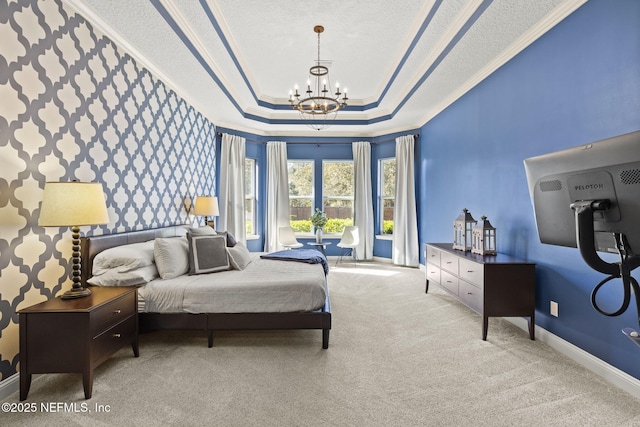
(74, 293)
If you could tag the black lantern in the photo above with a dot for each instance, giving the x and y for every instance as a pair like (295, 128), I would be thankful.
(462, 231)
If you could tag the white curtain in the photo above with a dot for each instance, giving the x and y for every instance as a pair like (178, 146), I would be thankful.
(232, 192)
(363, 199)
(277, 194)
(405, 223)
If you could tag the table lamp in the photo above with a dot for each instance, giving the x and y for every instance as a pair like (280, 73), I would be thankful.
(207, 206)
(73, 204)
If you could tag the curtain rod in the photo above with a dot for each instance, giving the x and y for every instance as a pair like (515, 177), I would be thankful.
(417, 135)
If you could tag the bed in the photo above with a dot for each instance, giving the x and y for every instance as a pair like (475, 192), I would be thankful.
(193, 314)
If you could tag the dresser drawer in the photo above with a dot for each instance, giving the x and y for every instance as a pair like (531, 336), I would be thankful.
(433, 256)
(111, 340)
(471, 296)
(433, 273)
(112, 313)
(449, 262)
(449, 282)
(472, 272)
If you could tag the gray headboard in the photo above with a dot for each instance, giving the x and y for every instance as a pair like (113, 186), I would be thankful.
(93, 245)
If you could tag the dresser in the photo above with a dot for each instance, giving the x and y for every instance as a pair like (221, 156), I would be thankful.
(492, 285)
(76, 335)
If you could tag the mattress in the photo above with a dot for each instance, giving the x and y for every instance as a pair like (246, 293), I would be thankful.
(265, 285)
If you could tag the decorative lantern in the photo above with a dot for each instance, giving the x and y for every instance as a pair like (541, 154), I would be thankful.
(462, 228)
(484, 238)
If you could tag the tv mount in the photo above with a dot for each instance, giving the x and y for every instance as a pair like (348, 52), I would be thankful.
(584, 216)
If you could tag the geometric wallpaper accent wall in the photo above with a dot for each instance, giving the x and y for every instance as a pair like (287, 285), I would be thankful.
(73, 105)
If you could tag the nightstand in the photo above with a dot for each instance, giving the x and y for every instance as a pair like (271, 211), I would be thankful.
(76, 335)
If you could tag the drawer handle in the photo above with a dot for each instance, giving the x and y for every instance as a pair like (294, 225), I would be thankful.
(116, 335)
(449, 281)
(116, 311)
(469, 271)
(469, 293)
(449, 262)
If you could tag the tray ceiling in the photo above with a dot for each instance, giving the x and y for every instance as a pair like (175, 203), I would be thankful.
(402, 61)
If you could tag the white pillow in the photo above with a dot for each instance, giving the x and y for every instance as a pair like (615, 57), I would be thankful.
(171, 256)
(114, 277)
(124, 258)
(202, 231)
(239, 256)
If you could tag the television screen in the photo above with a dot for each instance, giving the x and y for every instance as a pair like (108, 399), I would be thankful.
(607, 170)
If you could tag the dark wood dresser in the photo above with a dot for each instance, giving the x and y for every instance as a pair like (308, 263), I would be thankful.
(76, 335)
(492, 285)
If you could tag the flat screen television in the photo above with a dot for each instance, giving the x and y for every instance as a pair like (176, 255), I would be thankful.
(607, 170)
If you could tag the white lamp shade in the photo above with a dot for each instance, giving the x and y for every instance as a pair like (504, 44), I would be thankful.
(67, 204)
(206, 205)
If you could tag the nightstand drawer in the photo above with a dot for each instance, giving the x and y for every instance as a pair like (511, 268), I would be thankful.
(449, 282)
(111, 340)
(112, 313)
(472, 272)
(449, 262)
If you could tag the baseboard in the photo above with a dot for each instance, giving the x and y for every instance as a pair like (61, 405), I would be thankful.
(9, 386)
(598, 366)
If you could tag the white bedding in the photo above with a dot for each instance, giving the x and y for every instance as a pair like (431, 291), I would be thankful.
(263, 286)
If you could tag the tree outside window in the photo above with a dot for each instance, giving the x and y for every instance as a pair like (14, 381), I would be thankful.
(250, 195)
(300, 194)
(337, 194)
(387, 194)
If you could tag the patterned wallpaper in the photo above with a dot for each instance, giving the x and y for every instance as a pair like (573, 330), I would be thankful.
(73, 105)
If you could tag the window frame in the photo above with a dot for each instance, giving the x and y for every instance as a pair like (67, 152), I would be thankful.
(381, 197)
(311, 197)
(322, 189)
(250, 197)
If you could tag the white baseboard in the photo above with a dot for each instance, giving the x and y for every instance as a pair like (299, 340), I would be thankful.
(598, 366)
(9, 386)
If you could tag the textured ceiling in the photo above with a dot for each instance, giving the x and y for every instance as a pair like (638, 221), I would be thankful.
(402, 61)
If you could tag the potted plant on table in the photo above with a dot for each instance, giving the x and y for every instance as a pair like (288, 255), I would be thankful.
(319, 219)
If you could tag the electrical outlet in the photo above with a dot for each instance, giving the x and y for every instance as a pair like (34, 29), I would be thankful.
(554, 308)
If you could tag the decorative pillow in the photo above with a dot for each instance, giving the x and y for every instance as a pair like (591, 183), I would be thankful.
(172, 256)
(239, 256)
(115, 277)
(124, 258)
(231, 241)
(202, 231)
(207, 254)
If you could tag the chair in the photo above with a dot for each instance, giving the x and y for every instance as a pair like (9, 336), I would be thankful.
(287, 238)
(349, 241)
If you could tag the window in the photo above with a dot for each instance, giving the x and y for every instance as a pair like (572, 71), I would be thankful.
(387, 194)
(300, 194)
(337, 194)
(250, 195)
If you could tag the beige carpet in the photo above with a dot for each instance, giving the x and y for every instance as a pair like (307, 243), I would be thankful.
(397, 357)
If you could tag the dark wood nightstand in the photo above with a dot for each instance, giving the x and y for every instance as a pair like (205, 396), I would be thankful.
(76, 335)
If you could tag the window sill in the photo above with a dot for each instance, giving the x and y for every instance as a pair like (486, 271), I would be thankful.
(313, 235)
(253, 237)
(384, 236)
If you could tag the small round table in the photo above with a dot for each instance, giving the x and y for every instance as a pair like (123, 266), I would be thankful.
(319, 246)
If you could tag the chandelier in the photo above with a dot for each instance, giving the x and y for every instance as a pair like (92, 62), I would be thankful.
(319, 103)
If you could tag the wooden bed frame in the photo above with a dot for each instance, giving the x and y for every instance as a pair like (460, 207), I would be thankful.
(210, 322)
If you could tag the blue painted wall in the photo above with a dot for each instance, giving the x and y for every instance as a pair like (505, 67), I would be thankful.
(579, 83)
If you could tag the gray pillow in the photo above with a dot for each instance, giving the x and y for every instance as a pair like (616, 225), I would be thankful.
(231, 241)
(202, 231)
(172, 256)
(207, 254)
(239, 256)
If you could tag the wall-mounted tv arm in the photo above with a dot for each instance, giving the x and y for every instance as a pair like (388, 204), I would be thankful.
(585, 239)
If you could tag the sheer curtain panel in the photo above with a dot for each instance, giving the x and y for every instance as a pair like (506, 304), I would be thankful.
(405, 223)
(232, 192)
(277, 194)
(363, 199)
